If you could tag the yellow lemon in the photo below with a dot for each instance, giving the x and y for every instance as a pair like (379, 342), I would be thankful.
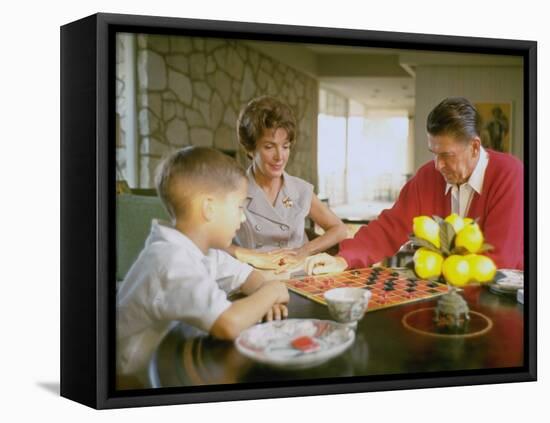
(456, 222)
(482, 268)
(467, 220)
(456, 270)
(427, 264)
(426, 228)
(470, 238)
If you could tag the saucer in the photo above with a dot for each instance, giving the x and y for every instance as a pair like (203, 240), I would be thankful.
(275, 343)
(507, 281)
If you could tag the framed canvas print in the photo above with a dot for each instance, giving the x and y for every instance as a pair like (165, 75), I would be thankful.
(259, 211)
(496, 121)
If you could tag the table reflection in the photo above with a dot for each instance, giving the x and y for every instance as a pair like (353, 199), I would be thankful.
(383, 346)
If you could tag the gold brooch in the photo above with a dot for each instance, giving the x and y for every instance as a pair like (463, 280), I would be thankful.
(287, 202)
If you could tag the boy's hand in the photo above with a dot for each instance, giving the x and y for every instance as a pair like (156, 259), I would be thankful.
(277, 312)
(324, 263)
(281, 292)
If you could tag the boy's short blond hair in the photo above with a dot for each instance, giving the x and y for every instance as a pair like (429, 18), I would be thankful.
(192, 170)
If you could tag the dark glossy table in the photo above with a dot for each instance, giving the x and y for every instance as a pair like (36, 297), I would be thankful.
(383, 346)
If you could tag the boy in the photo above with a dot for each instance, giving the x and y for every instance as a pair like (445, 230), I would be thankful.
(182, 274)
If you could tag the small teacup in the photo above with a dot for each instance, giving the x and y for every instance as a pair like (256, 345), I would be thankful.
(347, 305)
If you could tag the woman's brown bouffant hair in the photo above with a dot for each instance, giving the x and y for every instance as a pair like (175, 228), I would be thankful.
(260, 114)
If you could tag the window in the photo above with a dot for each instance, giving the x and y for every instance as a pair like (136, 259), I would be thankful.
(363, 156)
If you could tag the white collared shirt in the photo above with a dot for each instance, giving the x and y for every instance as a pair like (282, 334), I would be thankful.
(461, 195)
(171, 280)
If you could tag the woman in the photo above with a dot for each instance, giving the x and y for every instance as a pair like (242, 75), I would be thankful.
(273, 236)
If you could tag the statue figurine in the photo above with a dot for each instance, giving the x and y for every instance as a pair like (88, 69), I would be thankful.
(452, 306)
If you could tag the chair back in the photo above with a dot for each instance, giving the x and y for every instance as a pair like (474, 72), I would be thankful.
(134, 214)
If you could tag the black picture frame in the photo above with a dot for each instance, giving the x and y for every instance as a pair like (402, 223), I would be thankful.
(88, 205)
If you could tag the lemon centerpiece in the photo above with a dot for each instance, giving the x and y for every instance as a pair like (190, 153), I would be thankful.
(456, 222)
(482, 268)
(451, 250)
(469, 238)
(456, 270)
(427, 263)
(425, 227)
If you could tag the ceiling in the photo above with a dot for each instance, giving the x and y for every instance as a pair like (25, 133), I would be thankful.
(384, 94)
(383, 80)
(373, 77)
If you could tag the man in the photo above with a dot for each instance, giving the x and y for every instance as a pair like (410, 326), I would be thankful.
(463, 178)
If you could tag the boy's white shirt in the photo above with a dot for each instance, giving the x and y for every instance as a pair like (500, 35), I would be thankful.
(172, 280)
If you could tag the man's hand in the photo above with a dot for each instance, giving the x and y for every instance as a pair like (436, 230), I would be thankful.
(324, 263)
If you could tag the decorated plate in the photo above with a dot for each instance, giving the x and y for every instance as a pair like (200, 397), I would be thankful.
(507, 281)
(295, 343)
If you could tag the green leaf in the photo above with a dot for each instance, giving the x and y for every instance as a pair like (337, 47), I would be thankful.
(408, 272)
(438, 219)
(460, 251)
(446, 236)
(486, 247)
(418, 242)
(433, 278)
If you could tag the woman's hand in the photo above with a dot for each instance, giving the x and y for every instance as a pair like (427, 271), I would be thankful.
(289, 258)
(280, 260)
(265, 261)
(324, 263)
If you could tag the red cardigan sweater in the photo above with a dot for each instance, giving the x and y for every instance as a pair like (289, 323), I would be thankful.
(499, 209)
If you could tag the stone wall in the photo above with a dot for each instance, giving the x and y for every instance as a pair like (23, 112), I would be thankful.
(121, 110)
(190, 91)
